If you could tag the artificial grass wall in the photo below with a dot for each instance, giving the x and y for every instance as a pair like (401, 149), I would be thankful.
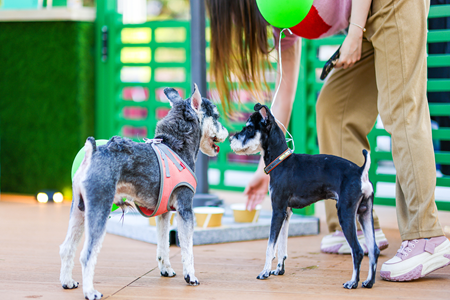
(46, 102)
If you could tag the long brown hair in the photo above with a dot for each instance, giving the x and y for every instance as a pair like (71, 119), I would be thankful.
(239, 47)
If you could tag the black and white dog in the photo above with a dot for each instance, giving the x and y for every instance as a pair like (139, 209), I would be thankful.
(298, 180)
(123, 168)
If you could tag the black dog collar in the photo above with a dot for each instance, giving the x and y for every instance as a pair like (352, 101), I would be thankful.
(277, 161)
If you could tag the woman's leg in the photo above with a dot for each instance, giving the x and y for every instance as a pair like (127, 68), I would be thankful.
(398, 32)
(346, 111)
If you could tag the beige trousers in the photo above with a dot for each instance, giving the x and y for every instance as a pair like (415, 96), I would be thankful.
(390, 80)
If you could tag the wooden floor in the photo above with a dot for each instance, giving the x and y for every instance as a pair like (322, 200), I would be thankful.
(127, 269)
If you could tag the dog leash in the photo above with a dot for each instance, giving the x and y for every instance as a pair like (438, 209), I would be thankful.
(278, 88)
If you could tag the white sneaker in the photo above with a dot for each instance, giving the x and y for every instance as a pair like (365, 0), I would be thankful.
(336, 243)
(417, 258)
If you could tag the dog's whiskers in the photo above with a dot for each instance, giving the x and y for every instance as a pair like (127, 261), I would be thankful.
(122, 217)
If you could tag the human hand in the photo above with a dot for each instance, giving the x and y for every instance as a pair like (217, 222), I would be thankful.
(351, 48)
(256, 190)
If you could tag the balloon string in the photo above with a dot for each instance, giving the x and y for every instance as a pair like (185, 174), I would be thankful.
(278, 87)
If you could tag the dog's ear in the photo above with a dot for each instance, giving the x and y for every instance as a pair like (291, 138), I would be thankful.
(196, 99)
(258, 106)
(173, 96)
(263, 110)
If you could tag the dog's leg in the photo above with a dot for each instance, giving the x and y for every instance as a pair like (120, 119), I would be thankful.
(347, 220)
(97, 212)
(279, 215)
(162, 255)
(185, 225)
(69, 246)
(282, 245)
(366, 221)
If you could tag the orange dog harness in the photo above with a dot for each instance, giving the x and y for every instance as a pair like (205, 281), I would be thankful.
(174, 173)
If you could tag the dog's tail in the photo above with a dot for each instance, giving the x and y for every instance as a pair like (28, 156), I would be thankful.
(366, 185)
(366, 166)
(90, 147)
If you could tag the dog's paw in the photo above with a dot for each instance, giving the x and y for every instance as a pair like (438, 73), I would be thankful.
(93, 295)
(169, 272)
(165, 268)
(191, 280)
(368, 284)
(277, 272)
(351, 284)
(264, 275)
(70, 284)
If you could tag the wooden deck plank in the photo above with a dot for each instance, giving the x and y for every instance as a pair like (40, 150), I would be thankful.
(127, 269)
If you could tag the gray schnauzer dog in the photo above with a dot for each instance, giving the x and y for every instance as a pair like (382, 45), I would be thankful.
(298, 180)
(123, 168)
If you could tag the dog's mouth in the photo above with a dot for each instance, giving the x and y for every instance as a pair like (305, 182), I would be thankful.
(250, 147)
(243, 151)
(216, 148)
(211, 137)
(240, 151)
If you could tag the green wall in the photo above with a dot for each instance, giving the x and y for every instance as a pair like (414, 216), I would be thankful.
(46, 102)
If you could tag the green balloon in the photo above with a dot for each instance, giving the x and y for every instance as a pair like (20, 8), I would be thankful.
(80, 156)
(284, 13)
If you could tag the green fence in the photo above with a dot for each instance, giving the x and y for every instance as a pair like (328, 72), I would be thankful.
(141, 61)
(138, 61)
(144, 60)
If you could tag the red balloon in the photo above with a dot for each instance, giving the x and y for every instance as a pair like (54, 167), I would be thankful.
(312, 26)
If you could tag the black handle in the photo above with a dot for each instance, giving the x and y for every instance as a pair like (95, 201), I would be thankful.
(104, 43)
(329, 65)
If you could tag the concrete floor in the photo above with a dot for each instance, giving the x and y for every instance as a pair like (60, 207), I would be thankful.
(127, 269)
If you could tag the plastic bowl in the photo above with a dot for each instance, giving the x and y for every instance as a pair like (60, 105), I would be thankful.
(241, 215)
(207, 216)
